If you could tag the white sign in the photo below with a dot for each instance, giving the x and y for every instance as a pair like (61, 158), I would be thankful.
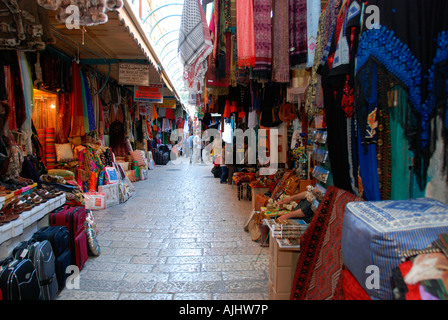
(134, 74)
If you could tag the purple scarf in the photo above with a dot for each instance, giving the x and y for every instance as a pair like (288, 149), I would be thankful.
(298, 41)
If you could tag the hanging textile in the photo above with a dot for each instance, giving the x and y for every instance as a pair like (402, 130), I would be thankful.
(9, 82)
(77, 122)
(18, 95)
(298, 52)
(194, 44)
(98, 116)
(41, 135)
(89, 113)
(280, 42)
(336, 81)
(263, 40)
(212, 75)
(337, 132)
(27, 89)
(313, 10)
(233, 60)
(421, 68)
(63, 117)
(327, 24)
(169, 114)
(50, 148)
(222, 41)
(245, 33)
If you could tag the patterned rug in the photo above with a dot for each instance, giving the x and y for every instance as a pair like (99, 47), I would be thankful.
(320, 263)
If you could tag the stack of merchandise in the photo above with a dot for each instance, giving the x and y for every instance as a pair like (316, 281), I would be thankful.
(288, 231)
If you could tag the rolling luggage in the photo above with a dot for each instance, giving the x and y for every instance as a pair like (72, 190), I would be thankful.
(71, 217)
(157, 157)
(18, 280)
(59, 239)
(58, 236)
(74, 219)
(63, 261)
(41, 255)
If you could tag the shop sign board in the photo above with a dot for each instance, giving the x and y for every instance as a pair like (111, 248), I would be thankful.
(168, 102)
(152, 93)
(134, 74)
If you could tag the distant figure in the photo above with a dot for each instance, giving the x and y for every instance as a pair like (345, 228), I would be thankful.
(197, 146)
(190, 147)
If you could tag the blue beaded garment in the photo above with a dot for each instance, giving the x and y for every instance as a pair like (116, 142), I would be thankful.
(383, 46)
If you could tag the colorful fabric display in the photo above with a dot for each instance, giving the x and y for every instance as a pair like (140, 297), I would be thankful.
(42, 139)
(50, 148)
(245, 33)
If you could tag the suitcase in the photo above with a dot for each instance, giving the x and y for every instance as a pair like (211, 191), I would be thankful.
(18, 280)
(80, 253)
(63, 261)
(165, 158)
(41, 255)
(74, 219)
(59, 239)
(71, 217)
(158, 157)
(57, 235)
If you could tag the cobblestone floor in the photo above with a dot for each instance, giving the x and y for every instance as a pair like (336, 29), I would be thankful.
(180, 237)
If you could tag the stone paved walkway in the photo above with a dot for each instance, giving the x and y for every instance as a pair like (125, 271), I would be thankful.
(180, 237)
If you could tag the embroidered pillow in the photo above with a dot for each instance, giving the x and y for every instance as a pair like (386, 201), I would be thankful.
(64, 152)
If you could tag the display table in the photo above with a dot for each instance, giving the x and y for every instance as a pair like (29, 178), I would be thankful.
(255, 192)
(11, 234)
(282, 267)
(283, 257)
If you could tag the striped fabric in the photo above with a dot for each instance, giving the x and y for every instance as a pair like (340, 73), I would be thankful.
(42, 139)
(320, 263)
(379, 234)
(50, 148)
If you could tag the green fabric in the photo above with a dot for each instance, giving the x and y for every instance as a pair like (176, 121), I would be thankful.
(399, 148)
(84, 105)
(404, 183)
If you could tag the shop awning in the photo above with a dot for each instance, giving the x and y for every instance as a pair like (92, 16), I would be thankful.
(104, 46)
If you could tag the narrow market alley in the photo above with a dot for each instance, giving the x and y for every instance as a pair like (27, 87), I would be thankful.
(179, 237)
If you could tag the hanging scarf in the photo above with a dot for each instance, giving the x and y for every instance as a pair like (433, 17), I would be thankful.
(211, 71)
(223, 44)
(263, 40)
(27, 87)
(9, 79)
(18, 101)
(194, 43)
(77, 124)
(313, 10)
(327, 25)
(280, 42)
(245, 33)
(298, 33)
(64, 115)
(89, 113)
(93, 84)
